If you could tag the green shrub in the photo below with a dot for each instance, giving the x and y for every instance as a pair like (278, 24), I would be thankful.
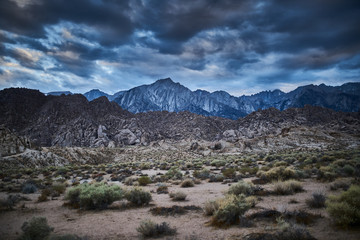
(218, 163)
(36, 229)
(174, 173)
(229, 172)
(148, 228)
(290, 231)
(187, 183)
(242, 188)
(229, 211)
(340, 183)
(178, 196)
(216, 177)
(94, 196)
(278, 173)
(345, 209)
(203, 174)
(144, 180)
(58, 187)
(288, 187)
(317, 200)
(348, 170)
(138, 197)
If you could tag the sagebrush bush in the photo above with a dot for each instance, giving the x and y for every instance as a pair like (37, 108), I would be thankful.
(242, 187)
(138, 196)
(144, 180)
(229, 172)
(216, 177)
(317, 200)
(187, 183)
(345, 208)
(178, 196)
(29, 188)
(344, 184)
(202, 174)
(230, 209)
(174, 173)
(162, 189)
(291, 231)
(149, 228)
(94, 196)
(36, 229)
(58, 187)
(287, 187)
(278, 173)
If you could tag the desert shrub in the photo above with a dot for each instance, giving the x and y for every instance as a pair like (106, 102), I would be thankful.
(202, 174)
(210, 207)
(278, 173)
(58, 187)
(129, 181)
(317, 200)
(144, 180)
(291, 231)
(29, 188)
(241, 188)
(218, 163)
(162, 189)
(36, 229)
(229, 172)
(230, 209)
(94, 196)
(345, 209)
(348, 170)
(187, 183)
(149, 228)
(252, 201)
(340, 183)
(174, 173)
(288, 187)
(138, 197)
(250, 170)
(216, 177)
(178, 196)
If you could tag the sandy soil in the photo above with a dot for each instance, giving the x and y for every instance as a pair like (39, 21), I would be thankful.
(119, 223)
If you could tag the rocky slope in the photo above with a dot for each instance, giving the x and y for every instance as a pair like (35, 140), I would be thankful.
(167, 95)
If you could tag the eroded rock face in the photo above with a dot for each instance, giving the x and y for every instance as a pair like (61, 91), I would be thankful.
(126, 137)
(10, 144)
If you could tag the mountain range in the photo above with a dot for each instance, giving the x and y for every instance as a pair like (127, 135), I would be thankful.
(166, 95)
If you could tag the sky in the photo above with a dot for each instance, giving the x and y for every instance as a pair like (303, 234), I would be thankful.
(239, 46)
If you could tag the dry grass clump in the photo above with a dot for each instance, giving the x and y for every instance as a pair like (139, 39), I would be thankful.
(148, 228)
(228, 210)
(242, 188)
(317, 200)
(278, 173)
(178, 196)
(287, 187)
(187, 183)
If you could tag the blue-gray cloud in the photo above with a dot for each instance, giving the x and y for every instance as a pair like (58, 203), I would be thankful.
(230, 45)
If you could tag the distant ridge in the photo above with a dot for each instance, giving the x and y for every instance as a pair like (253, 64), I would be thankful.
(166, 95)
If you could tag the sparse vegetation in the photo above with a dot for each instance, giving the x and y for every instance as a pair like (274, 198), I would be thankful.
(229, 210)
(138, 196)
(345, 209)
(178, 196)
(288, 187)
(242, 188)
(317, 200)
(37, 228)
(148, 228)
(94, 196)
(187, 183)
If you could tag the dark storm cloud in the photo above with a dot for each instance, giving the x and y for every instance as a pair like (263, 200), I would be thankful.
(247, 42)
(108, 18)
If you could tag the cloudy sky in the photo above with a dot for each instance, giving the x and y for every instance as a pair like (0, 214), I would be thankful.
(238, 46)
